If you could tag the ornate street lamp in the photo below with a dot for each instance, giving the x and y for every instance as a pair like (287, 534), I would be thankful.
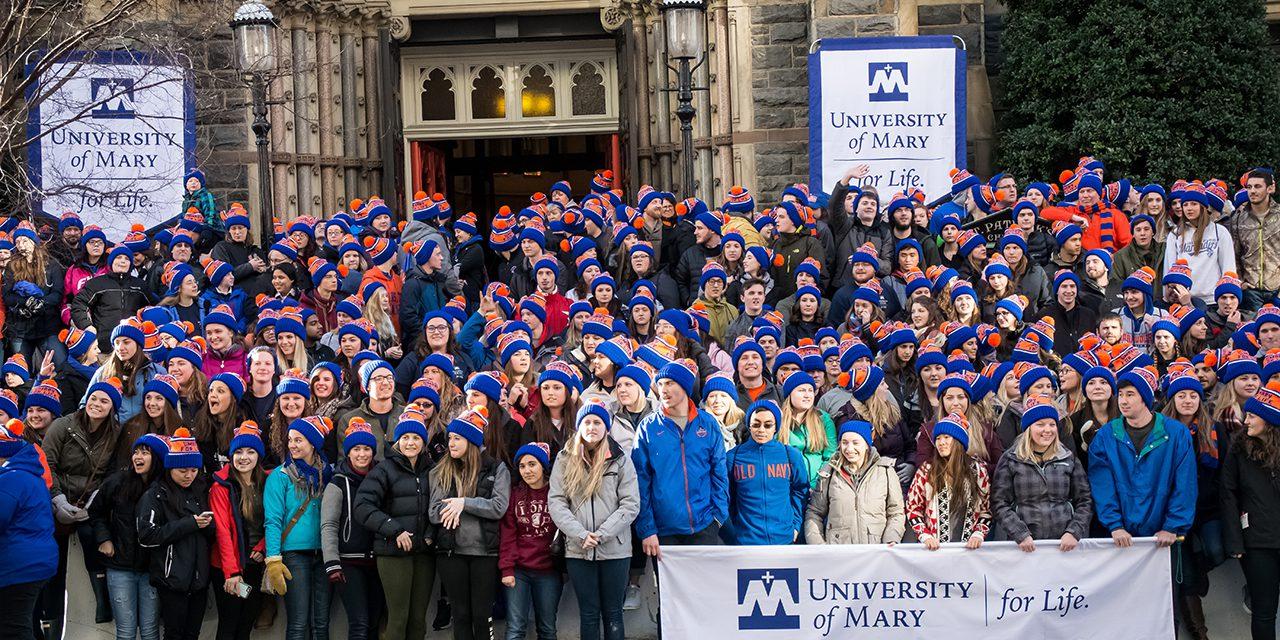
(253, 29)
(685, 22)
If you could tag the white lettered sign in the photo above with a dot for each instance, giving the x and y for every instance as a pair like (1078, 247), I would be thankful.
(896, 104)
(117, 133)
(906, 591)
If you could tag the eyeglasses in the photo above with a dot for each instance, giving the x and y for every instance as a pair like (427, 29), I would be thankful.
(437, 328)
(386, 377)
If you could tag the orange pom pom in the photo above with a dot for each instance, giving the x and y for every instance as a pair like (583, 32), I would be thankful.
(343, 270)
(681, 209)
(804, 342)
(504, 210)
(1065, 176)
(137, 227)
(1274, 385)
(993, 340)
(368, 242)
(843, 379)
(638, 223)
(192, 210)
(952, 172)
(437, 196)
(15, 427)
(181, 432)
(62, 335)
(148, 326)
(569, 218)
(356, 204)
(419, 195)
(777, 260)
(565, 246)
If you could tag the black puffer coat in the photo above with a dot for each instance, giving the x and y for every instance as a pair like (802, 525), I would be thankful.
(105, 300)
(394, 498)
(179, 548)
(42, 320)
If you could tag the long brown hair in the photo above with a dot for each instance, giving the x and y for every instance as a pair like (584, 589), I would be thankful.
(207, 427)
(459, 475)
(129, 373)
(546, 431)
(279, 435)
(196, 390)
(954, 471)
(33, 269)
(250, 496)
(142, 424)
(1199, 423)
(1200, 224)
(1263, 448)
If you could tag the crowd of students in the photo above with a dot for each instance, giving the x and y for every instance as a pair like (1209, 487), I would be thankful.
(467, 411)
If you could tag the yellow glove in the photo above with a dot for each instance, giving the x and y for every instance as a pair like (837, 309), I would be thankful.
(277, 575)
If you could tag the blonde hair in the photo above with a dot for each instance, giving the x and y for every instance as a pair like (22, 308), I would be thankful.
(459, 475)
(584, 468)
(731, 418)
(381, 321)
(815, 432)
(1227, 403)
(881, 413)
(299, 361)
(1022, 447)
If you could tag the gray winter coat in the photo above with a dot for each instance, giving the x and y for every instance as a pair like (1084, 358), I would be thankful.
(477, 532)
(416, 231)
(868, 510)
(1042, 501)
(608, 513)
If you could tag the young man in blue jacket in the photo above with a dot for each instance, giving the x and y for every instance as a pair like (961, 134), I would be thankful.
(1142, 467)
(768, 483)
(680, 463)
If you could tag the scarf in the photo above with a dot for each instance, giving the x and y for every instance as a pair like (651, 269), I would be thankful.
(1106, 224)
(308, 478)
(1206, 455)
(462, 245)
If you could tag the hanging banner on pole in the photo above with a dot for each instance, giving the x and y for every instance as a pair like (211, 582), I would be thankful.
(115, 133)
(907, 591)
(896, 104)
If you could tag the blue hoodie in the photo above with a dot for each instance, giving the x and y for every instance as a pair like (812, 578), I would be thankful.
(683, 482)
(768, 491)
(27, 550)
(1148, 491)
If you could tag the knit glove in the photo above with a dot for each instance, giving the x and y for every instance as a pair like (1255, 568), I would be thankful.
(27, 289)
(67, 513)
(334, 569)
(906, 471)
(277, 575)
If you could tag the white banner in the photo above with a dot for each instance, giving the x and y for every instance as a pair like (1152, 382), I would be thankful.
(907, 591)
(896, 104)
(118, 135)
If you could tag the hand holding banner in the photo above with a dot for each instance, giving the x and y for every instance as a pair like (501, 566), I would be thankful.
(906, 591)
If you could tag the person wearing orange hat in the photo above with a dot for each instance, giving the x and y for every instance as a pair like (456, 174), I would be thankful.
(179, 548)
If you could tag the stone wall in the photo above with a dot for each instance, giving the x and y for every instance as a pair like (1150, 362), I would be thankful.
(780, 93)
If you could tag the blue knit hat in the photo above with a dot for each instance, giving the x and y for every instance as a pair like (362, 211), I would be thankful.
(487, 383)
(594, 407)
(954, 425)
(232, 381)
(1037, 408)
(247, 435)
(861, 428)
(112, 387)
(637, 374)
(562, 372)
(293, 382)
(540, 451)
(46, 395)
(165, 385)
(129, 328)
(411, 422)
(796, 380)
(313, 428)
(683, 372)
(1033, 375)
(1064, 231)
(358, 433)
(1143, 379)
(721, 382)
(183, 453)
(765, 405)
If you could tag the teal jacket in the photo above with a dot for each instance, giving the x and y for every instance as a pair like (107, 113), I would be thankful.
(813, 460)
(1144, 491)
(282, 496)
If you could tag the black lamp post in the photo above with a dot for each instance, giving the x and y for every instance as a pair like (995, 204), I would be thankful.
(254, 31)
(685, 22)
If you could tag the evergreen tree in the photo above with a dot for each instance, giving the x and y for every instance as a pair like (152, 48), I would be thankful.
(1157, 89)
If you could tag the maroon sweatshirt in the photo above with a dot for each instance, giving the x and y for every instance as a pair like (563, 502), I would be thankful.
(526, 532)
